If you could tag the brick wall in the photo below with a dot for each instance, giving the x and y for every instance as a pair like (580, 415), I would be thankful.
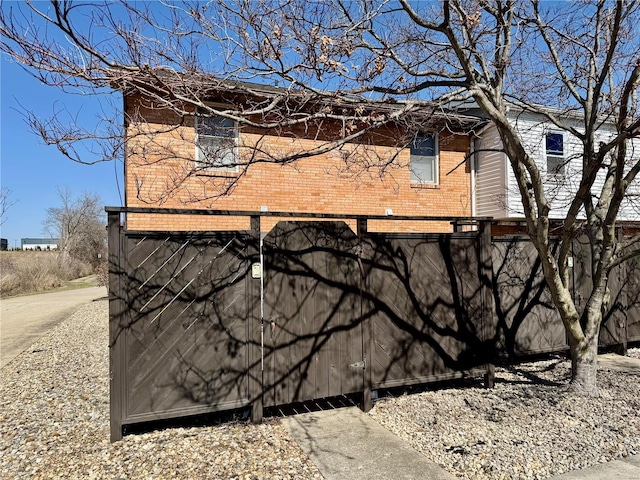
(160, 173)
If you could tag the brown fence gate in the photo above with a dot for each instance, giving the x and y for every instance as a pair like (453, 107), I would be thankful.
(214, 321)
(313, 336)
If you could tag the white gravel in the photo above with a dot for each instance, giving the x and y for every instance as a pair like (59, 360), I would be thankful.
(633, 352)
(54, 423)
(523, 428)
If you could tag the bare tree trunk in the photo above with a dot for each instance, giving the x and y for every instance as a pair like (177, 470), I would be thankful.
(584, 365)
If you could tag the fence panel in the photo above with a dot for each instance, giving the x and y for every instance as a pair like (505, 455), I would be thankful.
(528, 322)
(424, 296)
(186, 324)
(612, 331)
(342, 313)
(631, 288)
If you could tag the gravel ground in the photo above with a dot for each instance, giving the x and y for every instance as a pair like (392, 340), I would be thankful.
(54, 423)
(523, 428)
(633, 352)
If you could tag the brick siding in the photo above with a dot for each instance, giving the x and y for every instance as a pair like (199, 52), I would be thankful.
(159, 173)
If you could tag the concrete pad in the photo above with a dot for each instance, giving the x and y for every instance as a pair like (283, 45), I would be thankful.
(346, 444)
(632, 459)
(612, 361)
(25, 319)
(616, 470)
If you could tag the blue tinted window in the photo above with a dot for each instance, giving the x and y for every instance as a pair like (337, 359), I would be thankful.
(555, 144)
(424, 145)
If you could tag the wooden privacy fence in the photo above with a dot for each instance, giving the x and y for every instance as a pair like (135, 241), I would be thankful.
(211, 321)
(204, 322)
(528, 323)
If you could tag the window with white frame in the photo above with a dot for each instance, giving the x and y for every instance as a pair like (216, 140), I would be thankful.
(216, 143)
(554, 148)
(424, 158)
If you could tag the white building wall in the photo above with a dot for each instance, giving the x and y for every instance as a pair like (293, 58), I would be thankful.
(560, 190)
(491, 186)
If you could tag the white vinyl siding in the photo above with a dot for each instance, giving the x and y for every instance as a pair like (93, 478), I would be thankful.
(630, 207)
(491, 170)
(424, 158)
(497, 192)
(559, 189)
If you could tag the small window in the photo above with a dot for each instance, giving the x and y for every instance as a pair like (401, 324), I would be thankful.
(555, 154)
(216, 143)
(424, 158)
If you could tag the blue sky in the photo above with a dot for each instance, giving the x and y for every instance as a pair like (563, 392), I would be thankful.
(32, 170)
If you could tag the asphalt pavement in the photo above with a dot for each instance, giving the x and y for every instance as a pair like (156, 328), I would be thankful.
(25, 319)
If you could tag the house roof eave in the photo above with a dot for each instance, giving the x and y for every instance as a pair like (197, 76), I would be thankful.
(164, 83)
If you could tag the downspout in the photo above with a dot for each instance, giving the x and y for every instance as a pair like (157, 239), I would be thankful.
(125, 126)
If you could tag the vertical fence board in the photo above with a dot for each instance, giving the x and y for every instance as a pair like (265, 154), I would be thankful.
(368, 349)
(255, 324)
(489, 321)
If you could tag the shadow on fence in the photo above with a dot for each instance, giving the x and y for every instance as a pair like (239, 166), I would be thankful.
(196, 326)
(215, 322)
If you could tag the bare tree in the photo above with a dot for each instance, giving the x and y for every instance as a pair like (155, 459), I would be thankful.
(5, 203)
(367, 65)
(79, 225)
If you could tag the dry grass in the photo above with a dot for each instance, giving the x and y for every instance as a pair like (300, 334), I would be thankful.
(27, 272)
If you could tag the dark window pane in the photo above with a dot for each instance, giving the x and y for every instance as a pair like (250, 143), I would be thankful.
(555, 144)
(216, 127)
(424, 145)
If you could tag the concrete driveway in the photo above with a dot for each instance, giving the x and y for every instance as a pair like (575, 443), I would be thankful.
(25, 319)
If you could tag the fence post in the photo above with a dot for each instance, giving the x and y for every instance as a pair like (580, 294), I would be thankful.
(367, 326)
(117, 323)
(486, 279)
(256, 373)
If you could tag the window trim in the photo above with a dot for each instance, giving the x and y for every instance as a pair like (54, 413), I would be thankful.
(198, 151)
(436, 160)
(560, 173)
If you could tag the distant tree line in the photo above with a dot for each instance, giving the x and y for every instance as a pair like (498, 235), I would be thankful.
(79, 224)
